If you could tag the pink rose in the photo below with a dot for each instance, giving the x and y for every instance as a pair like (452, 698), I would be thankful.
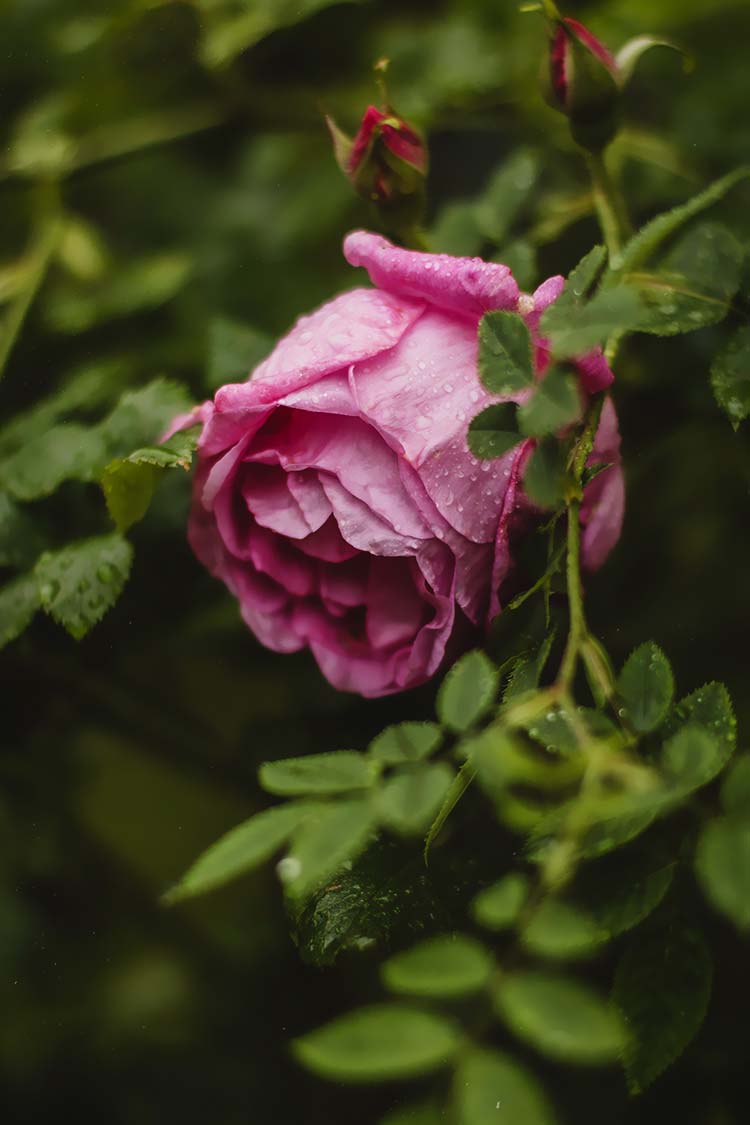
(335, 494)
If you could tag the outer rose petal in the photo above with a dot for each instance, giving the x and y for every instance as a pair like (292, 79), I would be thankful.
(466, 285)
(603, 507)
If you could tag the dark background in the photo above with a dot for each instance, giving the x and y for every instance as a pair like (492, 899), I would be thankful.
(125, 755)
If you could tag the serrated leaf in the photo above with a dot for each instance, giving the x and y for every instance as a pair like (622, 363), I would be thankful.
(645, 243)
(691, 758)
(142, 415)
(662, 987)
(497, 907)
(65, 452)
(128, 483)
(20, 541)
(622, 890)
(408, 801)
(735, 790)
(693, 285)
(380, 1042)
(545, 474)
(234, 351)
(443, 967)
(241, 850)
(730, 376)
(337, 772)
(558, 930)
(646, 687)
(80, 582)
(709, 707)
(406, 742)
(722, 864)
(334, 835)
(492, 1087)
(555, 404)
(506, 353)
(467, 692)
(561, 1017)
(19, 601)
(494, 431)
(576, 328)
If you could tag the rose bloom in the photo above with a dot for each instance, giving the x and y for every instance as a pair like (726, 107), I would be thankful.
(335, 494)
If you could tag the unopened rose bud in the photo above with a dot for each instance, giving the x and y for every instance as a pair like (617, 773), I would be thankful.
(583, 83)
(385, 162)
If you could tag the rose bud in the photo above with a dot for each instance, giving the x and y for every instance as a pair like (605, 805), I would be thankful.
(386, 162)
(583, 83)
(335, 494)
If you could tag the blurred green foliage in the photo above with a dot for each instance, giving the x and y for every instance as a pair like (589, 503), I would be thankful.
(169, 199)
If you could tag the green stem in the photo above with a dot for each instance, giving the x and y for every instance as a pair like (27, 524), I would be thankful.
(610, 205)
(40, 255)
(578, 631)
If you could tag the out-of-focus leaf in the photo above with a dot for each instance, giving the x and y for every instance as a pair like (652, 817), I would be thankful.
(19, 601)
(442, 967)
(662, 987)
(20, 541)
(505, 194)
(80, 582)
(735, 790)
(65, 452)
(408, 801)
(338, 772)
(380, 1042)
(467, 692)
(228, 34)
(497, 907)
(575, 328)
(406, 742)
(234, 350)
(241, 850)
(722, 864)
(491, 1085)
(560, 931)
(555, 403)
(329, 839)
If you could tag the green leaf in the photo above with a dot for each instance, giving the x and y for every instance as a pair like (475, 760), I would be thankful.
(458, 787)
(128, 483)
(506, 353)
(545, 474)
(19, 601)
(407, 802)
(581, 279)
(505, 194)
(137, 285)
(128, 488)
(493, 432)
(692, 757)
(561, 1017)
(520, 256)
(662, 987)
(630, 54)
(239, 29)
(380, 1042)
(241, 850)
(559, 930)
(709, 707)
(456, 231)
(234, 351)
(406, 742)
(730, 376)
(443, 968)
(735, 790)
(722, 864)
(640, 248)
(65, 452)
(576, 328)
(467, 692)
(491, 1087)
(141, 416)
(338, 772)
(527, 672)
(553, 729)
(555, 403)
(497, 907)
(622, 890)
(646, 687)
(20, 542)
(80, 582)
(694, 284)
(325, 842)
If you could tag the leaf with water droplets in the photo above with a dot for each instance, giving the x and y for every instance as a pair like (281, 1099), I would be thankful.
(506, 353)
(646, 687)
(80, 582)
(730, 376)
(494, 431)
